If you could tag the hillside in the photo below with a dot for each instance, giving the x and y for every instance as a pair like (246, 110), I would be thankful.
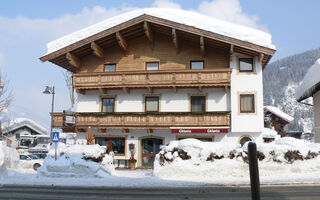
(281, 78)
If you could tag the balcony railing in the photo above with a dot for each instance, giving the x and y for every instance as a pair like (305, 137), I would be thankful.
(143, 79)
(146, 120)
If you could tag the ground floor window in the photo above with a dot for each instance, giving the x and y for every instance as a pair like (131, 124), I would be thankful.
(244, 139)
(115, 144)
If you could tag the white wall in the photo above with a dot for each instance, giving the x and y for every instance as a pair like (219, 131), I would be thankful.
(246, 83)
(217, 100)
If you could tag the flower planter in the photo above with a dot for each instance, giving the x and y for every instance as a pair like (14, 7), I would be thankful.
(132, 165)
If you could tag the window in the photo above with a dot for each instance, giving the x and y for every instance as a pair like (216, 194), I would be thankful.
(244, 139)
(110, 67)
(246, 64)
(198, 103)
(196, 65)
(107, 105)
(151, 104)
(247, 103)
(117, 145)
(152, 65)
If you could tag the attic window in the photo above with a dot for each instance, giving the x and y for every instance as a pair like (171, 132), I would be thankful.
(110, 67)
(197, 64)
(246, 64)
(152, 65)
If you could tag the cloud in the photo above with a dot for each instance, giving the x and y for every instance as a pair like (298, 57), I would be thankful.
(166, 4)
(231, 11)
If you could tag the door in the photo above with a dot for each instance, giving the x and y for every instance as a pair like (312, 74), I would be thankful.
(150, 147)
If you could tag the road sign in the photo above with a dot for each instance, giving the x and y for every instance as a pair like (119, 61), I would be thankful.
(55, 137)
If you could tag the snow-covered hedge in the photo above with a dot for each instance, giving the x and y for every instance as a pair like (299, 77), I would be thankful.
(190, 159)
(9, 158)
(78, 161)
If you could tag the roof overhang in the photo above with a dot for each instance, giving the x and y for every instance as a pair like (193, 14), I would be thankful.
(134, 27)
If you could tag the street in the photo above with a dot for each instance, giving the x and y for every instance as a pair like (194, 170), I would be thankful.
(239, 193)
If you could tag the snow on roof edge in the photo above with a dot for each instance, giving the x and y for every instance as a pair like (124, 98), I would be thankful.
(279, 113)
(20, 122)
(310, 82)
(189, 18)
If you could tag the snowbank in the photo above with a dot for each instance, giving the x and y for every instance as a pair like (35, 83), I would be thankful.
(193, 160)
(9, 158)
(176, 15)
(77, 161)
(309, 81)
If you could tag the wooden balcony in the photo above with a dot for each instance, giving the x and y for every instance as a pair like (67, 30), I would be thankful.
(153, 79)
(146, 120)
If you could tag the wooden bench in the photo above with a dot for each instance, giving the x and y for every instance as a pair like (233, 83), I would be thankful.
(119, 160)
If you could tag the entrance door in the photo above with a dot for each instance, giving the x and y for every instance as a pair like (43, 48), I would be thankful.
(150, 147)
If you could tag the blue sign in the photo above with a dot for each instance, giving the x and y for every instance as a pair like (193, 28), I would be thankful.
(55, 137)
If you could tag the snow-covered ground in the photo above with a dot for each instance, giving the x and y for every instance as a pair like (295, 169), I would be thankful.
(188, 162)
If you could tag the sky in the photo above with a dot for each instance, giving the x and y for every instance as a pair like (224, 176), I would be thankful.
(27, 26)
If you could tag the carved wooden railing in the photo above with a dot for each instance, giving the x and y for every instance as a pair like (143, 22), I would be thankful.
(216, 77)
(154, 120)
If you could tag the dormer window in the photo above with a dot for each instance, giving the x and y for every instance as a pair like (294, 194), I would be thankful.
(109, 67)
(245, 64)
(152, 65)
(197, 64)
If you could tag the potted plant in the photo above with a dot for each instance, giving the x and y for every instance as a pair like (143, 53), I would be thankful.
(132, 162)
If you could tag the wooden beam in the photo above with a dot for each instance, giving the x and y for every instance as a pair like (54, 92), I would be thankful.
(149, 130)
(126, 90)
(226, 89)
(73, 60)
(175, 89)
(80, 91)
(121, 41)
(102, 130)
(202, 48)
(150, 89)
(97, 50)
(261, 57)
(125, 130)
(148, 31)
(175, 38)
(231, 52)
(103, 90)
(200, 88)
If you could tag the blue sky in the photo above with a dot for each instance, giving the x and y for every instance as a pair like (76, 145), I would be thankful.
(26, 27)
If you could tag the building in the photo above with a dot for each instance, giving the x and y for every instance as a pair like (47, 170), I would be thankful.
(310, 87)
(276, 119)
(150, 76)
(22, 127)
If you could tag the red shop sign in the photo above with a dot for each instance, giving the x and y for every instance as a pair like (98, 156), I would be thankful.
(205, 130)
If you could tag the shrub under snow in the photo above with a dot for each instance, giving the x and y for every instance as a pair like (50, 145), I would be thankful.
(191, 159)
(77, 161)
(9, 158)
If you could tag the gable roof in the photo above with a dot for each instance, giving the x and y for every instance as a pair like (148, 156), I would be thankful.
(24, 122)
(310, 83)
(182, 20)
(276, 111)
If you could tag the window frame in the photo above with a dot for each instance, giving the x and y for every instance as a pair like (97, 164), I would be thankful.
(253, 103)
(243, 137)
(108, 97)
(145, 102)
(191, 61)
(115, 67)
(246, 57)
(205, 102)
(146, 66)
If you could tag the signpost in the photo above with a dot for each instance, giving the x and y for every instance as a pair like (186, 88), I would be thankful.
(55, 139)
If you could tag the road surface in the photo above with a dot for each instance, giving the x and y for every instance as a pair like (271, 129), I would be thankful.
(230, 193)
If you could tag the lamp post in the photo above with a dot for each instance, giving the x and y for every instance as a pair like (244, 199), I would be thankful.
(50, 90)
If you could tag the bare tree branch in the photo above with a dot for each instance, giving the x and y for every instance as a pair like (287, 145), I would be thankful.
(69, 83)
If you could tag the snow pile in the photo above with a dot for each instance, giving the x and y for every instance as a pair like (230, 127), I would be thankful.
(193, 160)
(78, 161)
(188, 18)
(309, 81)
(9, 158)
(279, 113)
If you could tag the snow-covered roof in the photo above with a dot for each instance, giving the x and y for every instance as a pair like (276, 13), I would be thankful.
(310, 83)
(21, 122)
(189, 18)
(279, 113)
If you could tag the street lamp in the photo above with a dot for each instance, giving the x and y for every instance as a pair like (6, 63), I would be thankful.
(50, 90)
